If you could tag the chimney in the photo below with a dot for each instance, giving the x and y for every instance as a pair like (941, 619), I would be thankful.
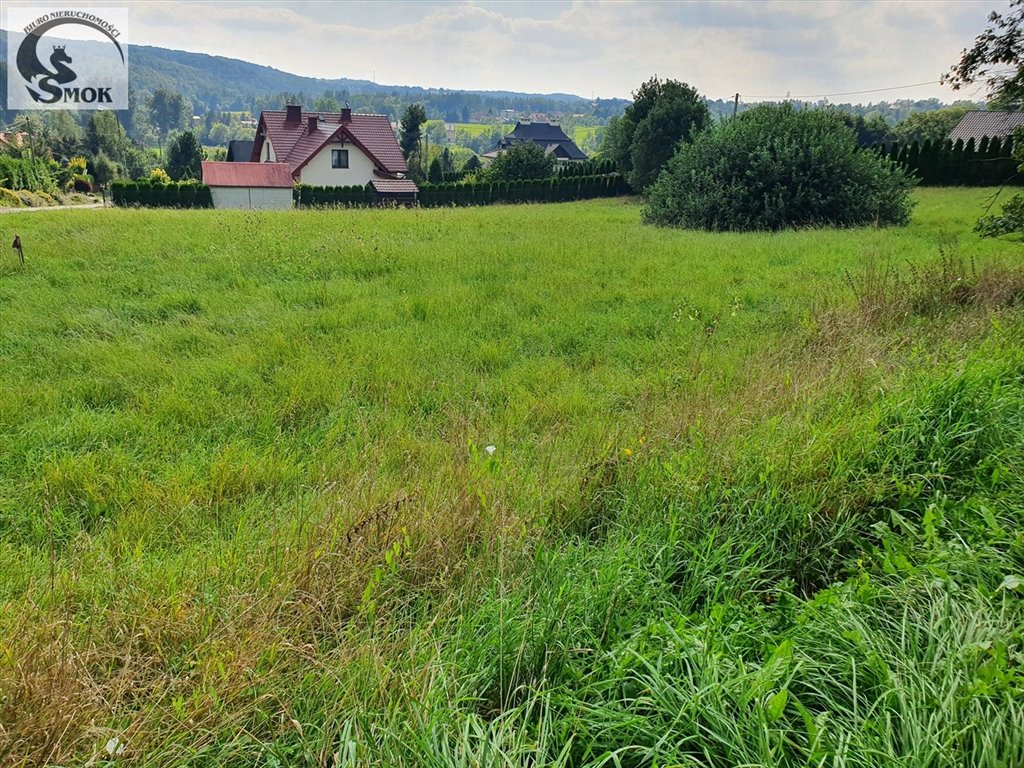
(346, 115)
(293, 115)
(312, 123)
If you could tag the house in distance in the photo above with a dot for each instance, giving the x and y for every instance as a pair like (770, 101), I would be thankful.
(331, 149)
(549, 136)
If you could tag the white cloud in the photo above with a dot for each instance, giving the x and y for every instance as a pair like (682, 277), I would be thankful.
(600, 47)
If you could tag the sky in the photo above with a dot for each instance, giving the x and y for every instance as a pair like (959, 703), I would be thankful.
(594, 48)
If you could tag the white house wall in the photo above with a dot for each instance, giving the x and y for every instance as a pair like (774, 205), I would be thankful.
(318, 171)
(254, 198)
(267, 154)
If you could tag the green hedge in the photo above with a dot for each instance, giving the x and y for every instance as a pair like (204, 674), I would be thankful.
(307, 196)
(948, 164)
(553, 190)
(184, 194)
(586, 168)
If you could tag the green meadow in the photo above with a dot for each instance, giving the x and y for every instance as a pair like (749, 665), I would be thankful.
(510, 486)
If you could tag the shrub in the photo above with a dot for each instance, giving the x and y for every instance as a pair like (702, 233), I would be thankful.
(775, 167)
(8, 199)
(523, 160)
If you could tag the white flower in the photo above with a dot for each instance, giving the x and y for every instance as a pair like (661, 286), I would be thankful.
(115, 746)
(490, 450)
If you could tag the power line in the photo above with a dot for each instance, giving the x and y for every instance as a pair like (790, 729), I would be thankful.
(848, 93)
(871, 90)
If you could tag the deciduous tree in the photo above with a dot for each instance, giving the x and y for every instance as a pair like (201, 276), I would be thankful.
(523, 160)
(167, 111)
(663, 114)
(996, 57)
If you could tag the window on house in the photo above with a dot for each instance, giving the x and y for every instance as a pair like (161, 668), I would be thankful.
(339, 158)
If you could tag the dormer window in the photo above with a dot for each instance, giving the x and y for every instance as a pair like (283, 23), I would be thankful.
(339, 158)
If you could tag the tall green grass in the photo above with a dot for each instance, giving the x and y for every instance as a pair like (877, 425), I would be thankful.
(530, 485)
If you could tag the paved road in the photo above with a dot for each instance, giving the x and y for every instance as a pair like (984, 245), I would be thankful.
(52, 208)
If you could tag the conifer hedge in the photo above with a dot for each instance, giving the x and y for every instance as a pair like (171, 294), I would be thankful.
(184, 194)
(949, 164)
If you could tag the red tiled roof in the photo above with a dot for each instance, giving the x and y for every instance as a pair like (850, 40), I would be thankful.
(295, 145)
(218, 174)
(392, 186)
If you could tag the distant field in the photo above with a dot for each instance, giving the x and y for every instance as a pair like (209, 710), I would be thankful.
(432, 487)
(582, 133)
(475, 129)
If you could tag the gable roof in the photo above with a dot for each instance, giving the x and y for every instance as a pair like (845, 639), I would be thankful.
(548, 135)
(978, 124)
(222, 174)
(394, 186)
(539, 132)
(239, 151)
(295, 145)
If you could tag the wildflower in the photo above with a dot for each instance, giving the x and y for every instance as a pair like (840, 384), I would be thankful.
(490, 450)
(627, 452)
(115, 746)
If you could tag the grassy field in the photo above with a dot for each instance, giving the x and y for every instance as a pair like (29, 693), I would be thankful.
(475, 129)
(581, 133)
(516, 486)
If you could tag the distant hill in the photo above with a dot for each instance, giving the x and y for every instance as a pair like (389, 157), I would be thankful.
(221, 83)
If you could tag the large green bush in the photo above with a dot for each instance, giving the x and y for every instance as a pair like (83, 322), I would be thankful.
(775, 167)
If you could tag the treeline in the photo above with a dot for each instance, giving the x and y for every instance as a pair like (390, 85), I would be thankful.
(184, 194)
(946, 163)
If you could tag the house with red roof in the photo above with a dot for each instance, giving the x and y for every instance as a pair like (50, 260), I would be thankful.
(332, 149)
(326, 149)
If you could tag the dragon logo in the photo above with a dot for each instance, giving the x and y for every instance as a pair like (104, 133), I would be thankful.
(49, 84)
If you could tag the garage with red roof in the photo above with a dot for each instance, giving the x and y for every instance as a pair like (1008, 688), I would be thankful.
(257, 186)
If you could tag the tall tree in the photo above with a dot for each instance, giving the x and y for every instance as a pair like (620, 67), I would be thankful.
(410, 130)
(167, 111)
(662, 115)
(997, 57)
(184, 157)
(103, 134)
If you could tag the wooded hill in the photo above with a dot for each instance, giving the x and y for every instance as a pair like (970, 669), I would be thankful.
(224, 84)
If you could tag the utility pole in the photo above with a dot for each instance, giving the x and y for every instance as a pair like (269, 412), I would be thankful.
(736, 105)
